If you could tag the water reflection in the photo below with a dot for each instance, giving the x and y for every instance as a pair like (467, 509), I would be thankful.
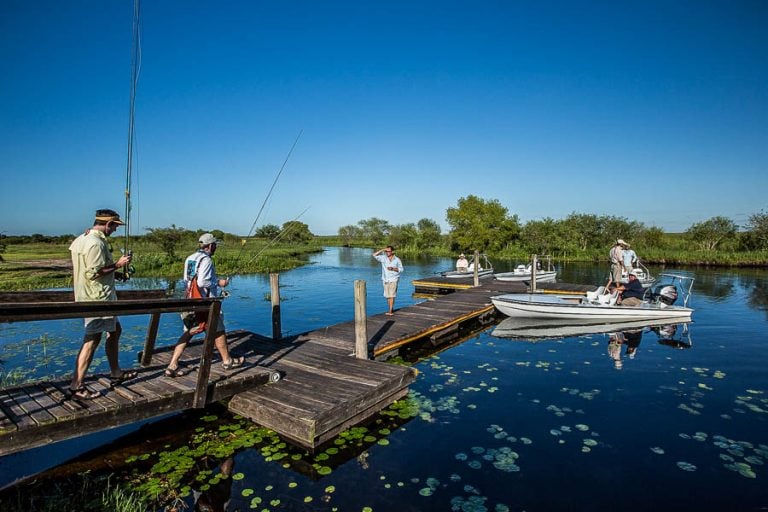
(623, 338)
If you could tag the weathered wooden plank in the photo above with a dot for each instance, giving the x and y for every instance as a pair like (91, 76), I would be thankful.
(28, 404)
(15, 412)
(54, 407)
(6, 422)
(125, 391)
(69, 296)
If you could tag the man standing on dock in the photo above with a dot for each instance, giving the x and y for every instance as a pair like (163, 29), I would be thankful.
(391, 268)
(94, 280)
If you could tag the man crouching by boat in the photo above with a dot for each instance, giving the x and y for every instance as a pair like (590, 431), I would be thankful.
(632, 292)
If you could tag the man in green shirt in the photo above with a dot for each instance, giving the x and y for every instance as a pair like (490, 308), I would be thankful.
(94, 280)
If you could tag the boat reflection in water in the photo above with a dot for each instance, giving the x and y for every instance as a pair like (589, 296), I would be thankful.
(626, 335)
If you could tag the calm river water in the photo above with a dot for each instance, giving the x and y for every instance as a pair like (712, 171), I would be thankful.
(573, 423)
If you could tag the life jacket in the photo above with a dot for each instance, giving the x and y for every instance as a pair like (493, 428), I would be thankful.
(198, 319)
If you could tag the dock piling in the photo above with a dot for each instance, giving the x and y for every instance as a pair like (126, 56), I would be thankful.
(361, 320)
(274, 286)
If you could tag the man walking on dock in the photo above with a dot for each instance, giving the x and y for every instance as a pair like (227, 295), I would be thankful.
(200, 270)
(391, 268)
(94, 280)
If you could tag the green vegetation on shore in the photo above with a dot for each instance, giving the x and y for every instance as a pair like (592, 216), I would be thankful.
(37, 261)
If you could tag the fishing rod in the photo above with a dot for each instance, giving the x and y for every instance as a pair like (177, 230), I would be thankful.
(272, 188)
(135, 69)
(274, 240)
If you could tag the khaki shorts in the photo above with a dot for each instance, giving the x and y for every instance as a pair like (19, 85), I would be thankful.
(390, 289)
(100, 324)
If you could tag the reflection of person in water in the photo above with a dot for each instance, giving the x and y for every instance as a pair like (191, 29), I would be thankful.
(667, 337)
(216, 497)
(630, 339)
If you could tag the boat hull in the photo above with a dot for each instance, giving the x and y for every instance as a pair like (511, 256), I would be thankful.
(524, 305)
(541, 277)
(455, 274)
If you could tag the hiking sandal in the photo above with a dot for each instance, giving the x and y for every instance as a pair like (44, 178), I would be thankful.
(126, 375)
(83, 393)
(234, 362)
(175, 372)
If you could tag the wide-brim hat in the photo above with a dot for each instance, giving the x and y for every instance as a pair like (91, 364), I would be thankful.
(110, 218)
(622, 242)
(635, 272)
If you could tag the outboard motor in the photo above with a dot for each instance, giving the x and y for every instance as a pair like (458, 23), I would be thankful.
(667, 295)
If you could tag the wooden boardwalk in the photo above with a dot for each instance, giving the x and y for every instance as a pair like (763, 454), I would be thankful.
(317, 390)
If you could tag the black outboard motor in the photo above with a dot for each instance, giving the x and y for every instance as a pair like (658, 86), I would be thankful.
(666, 294)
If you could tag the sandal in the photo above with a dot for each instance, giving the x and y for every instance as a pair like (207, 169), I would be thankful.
(175, 372)
(126, 375)
(234, 362)
(83, 393)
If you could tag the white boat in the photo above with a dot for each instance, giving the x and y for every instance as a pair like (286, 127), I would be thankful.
(523, 273)
(658, 303)
(484, 270)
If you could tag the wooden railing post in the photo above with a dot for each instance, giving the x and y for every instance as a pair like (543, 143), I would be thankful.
(361, 320)
(534, 265)
(201, 390)
(477, 268)
(149, 341)
(274, 286)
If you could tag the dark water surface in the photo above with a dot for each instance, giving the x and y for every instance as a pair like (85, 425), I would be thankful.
(572, 423)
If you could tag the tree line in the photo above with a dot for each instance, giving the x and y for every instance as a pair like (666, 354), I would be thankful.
(488, 226)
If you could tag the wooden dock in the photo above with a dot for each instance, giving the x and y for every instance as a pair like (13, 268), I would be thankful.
(317, 388)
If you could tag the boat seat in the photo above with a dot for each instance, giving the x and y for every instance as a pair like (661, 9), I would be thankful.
(595, 295)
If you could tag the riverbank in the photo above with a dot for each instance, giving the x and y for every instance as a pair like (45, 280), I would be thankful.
(37, 266)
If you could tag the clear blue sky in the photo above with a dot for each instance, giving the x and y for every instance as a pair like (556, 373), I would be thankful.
(656, 111)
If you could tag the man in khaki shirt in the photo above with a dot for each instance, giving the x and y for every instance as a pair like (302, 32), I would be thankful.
(94, 280)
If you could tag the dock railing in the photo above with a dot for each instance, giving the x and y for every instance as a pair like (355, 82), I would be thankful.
(59, 305)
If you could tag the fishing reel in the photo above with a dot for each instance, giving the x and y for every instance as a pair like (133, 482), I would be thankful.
(127, 272)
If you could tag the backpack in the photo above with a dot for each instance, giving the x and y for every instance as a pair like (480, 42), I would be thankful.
(194, 320)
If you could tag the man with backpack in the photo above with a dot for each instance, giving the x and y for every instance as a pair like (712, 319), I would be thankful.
(201, 281)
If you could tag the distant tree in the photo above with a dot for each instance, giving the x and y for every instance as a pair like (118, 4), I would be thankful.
(168, 239)
(296, 232)
(2, 245)
(651, 238)
(758, 229)
(403, 235)
(348, 234)
(268, 231)
(712, 232)
(374, 229)
(429, 233)
(586, 230)
(544, 236)
(619, 227)
(477, 224)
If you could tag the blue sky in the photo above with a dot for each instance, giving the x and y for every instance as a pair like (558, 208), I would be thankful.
(656, 111)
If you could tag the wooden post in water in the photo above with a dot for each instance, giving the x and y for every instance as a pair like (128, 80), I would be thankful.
(149, 341)
(477, 268)
(534, 265)
(274, 286)
(201, 390)
(361, 320)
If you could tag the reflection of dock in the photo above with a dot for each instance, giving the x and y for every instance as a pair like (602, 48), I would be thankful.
(318, 389)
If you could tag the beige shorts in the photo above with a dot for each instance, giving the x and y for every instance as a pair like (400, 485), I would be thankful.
(390, 289)
(100, 324)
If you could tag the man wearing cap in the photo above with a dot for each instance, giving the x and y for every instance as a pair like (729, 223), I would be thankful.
(94, 280)
(629, 258)
(617, 260)
(632, 292)
(199, 266)
(462, 264)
